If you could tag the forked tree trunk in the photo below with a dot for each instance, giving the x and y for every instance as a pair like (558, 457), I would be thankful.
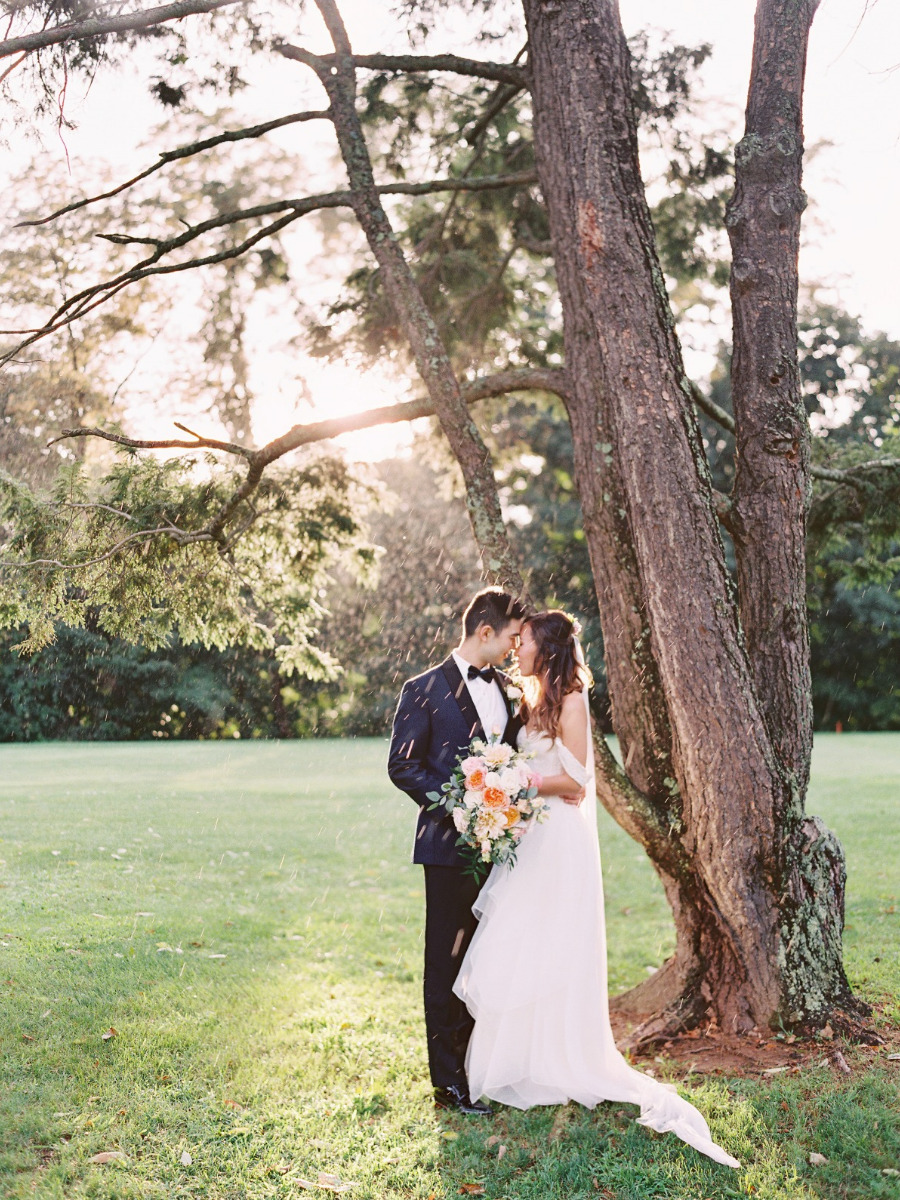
(681, 680)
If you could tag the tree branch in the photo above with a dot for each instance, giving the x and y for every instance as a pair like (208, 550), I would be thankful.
(234, 135)
(171, 531)
(199, 443)
(855, 476)
(856, 496)
(120, 23)
(502, 96)
(719, 415)
(89, 298)
(553, 380)
(544, 379)
(833, 475)
(451, 63)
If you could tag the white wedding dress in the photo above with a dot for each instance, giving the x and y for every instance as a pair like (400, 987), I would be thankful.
(534, 976)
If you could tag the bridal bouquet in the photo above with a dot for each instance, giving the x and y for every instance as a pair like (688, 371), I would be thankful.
(492, 798)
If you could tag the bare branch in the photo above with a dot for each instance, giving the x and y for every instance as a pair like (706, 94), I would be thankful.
(502, 97)
(118, 512)
(200, 443)
(451, 63)
(120, 23)
(89, 298)
(719, 415)
(554, 380)
(232, 135)
(855, 476)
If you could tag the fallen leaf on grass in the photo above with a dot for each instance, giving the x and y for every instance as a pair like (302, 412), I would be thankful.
(471, 1189)
(893, 1057)
(449, 1135)
(840, 1062)
(233, 1104)
(775, 1070)
(334, 1183)
(500, 1152)
(109, 1156)
(890, 1171)
(186, 1160)
(817, 1160)
(306, 1184)
(110, 1033)
(492, 1140)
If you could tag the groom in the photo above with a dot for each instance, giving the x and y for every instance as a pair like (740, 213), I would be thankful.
(437, 716)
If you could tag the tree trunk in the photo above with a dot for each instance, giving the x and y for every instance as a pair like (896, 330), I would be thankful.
(669, 616)
(772, 487)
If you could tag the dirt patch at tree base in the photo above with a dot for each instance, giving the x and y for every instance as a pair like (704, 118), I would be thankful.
(710, 1051)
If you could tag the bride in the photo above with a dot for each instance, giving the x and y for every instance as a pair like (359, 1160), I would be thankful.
(534, 976)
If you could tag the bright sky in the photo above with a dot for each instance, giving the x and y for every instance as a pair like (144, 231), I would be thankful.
(852, 102)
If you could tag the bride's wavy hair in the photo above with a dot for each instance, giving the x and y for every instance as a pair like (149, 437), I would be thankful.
(559, 668)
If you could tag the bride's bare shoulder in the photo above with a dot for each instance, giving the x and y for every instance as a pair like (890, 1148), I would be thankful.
(571, 718)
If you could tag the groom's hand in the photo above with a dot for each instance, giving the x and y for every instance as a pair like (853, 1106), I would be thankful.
(573, 797)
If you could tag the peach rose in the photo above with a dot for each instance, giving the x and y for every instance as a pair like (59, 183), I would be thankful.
(495, 797)
(475, 780)
(512, 815)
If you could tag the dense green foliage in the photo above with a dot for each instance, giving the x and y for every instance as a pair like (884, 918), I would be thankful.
(75, 555)
(242, 917)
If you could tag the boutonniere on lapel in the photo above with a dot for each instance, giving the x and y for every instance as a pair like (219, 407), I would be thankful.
(514, 696)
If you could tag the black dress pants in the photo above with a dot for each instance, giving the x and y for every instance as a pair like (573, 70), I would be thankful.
(449, 926)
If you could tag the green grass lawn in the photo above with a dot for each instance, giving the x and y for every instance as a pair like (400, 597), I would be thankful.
(245, 918)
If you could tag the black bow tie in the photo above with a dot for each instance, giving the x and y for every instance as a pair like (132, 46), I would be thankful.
(487, 674)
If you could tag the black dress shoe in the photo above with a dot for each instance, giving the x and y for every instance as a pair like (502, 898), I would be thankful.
(458, 1098)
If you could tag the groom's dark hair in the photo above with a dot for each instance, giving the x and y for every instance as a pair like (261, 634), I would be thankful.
(492, 607)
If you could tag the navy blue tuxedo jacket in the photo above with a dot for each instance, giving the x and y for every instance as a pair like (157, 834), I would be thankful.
(435, 721)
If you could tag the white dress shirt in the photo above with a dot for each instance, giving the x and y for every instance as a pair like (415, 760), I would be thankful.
(487, 698)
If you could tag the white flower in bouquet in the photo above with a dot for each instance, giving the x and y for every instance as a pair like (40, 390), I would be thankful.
(460, 818)
(498, 754)
(513, 779)
(473, 799)
(489, 824)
